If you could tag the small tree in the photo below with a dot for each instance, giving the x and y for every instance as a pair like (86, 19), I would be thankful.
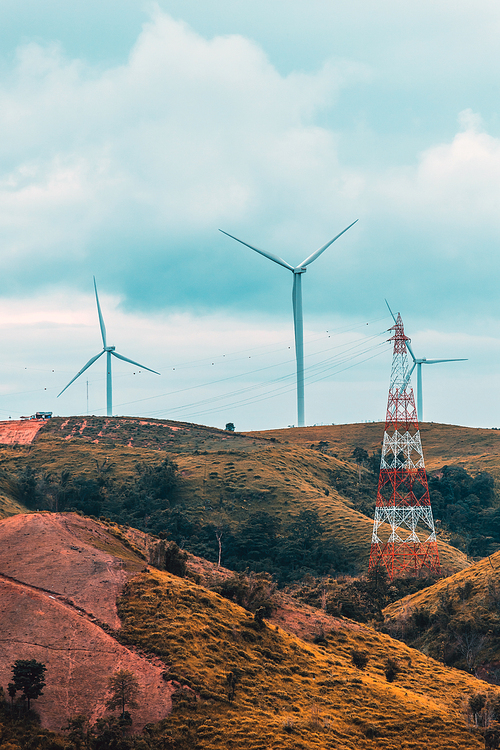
(230, 427)
(477, 703)
(232, 679)
(124, 689)
(28, 676)
(359, 658)
(392, 669)
(78, 731)
(11, 689)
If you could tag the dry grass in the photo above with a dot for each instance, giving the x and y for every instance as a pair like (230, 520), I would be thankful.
(229, 476)
(290, 693)
(471, 600)
(9, 507)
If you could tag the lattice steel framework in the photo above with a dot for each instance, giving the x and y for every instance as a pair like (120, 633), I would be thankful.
(404, 538)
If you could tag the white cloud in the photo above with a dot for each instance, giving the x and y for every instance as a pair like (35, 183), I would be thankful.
(454, 184)
(185, 134)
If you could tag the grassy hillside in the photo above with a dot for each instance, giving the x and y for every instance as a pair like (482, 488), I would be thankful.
(289, 693)
(9, 507)
(225, 481)
(457, 619)
(237, 681)
(476, 449)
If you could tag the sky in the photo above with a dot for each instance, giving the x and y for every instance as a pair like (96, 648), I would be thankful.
(130, 132)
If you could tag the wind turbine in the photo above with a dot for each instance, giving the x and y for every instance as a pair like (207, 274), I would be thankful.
(418, 364)
(110, 351)
(297, 309)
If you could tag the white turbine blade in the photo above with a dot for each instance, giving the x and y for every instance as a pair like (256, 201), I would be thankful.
(437, 361)
(322, 249)
(90, 362)
(411, 353)
(101, 319)
(394, 319)
(272, 257)
(408, 377)
(131, 361)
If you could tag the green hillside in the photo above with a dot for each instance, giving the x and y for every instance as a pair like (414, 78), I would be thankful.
(282, 505)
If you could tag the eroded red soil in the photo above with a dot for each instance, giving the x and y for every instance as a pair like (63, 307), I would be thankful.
(54, 586)
(20, 432)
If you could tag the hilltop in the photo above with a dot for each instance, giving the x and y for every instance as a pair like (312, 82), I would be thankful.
(471, 448)
(184, 640)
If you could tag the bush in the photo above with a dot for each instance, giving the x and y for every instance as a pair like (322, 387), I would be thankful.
(392, 669)
(359, 658)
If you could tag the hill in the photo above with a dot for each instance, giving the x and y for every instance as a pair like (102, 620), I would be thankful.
(471, 448)
(456, 620)
(227, 485)
(234, 680)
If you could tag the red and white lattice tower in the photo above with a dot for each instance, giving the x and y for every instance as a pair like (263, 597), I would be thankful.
(404, 539)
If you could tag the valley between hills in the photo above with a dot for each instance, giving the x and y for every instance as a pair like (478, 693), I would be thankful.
(110, 539)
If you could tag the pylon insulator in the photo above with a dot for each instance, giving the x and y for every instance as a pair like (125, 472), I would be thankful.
(404, 538)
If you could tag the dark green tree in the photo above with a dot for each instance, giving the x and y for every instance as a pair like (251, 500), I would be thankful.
(124, 690)
(28, 677)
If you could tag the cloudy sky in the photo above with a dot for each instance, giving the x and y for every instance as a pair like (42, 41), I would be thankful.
(130, 132)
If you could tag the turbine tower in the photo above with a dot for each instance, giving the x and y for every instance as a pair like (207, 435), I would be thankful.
(404, 539)
(418, 364)
(297, 308)
(110, 351)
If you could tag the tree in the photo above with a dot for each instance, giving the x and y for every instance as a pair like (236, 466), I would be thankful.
(230, 427)
(492, 736)
(28, 676)
(12, 690)
(124, 689)
(78, 731)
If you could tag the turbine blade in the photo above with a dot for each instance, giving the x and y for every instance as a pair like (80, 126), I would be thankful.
(411, 353)
(394, 319)
(437, 361)
(322, 249)
(272, 257)
(131, 361)
(408, 376)
(90, 362)
(101, 319)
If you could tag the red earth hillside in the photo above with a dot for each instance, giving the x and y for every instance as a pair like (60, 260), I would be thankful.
(20, 432)
(59, 577)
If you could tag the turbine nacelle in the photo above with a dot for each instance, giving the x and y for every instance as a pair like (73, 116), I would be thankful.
(109, 348)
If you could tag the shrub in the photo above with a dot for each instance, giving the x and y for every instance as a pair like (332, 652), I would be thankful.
(392, 669)
(359, 658)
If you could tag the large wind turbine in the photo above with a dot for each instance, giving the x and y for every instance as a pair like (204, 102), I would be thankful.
(110, 350)
(297, 309)
(418, 364)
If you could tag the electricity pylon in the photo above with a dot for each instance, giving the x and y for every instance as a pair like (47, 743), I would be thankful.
(404, 538)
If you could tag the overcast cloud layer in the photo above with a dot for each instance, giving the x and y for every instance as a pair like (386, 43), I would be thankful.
(129, 134)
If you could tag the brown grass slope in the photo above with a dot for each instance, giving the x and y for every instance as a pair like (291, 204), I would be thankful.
(472, 448)
(289, 694)
(460, 613)
(224, 477)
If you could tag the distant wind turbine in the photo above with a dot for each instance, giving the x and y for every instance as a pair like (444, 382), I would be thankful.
(418, 364)
(297, 309)
(110, 350)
